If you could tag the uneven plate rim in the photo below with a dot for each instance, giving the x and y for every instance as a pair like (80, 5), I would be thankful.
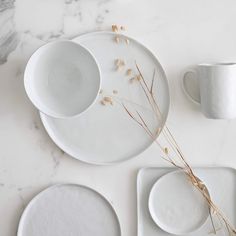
(60, 144)
(41, 193)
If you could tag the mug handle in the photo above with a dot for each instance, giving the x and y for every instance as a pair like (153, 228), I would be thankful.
(186, 77)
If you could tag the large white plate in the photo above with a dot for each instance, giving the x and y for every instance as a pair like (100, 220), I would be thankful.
(69, 209)
(106, 134)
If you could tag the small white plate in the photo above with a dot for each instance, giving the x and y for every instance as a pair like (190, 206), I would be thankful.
(176, 205)
(106, 134)
(69, 209)
(62, 79)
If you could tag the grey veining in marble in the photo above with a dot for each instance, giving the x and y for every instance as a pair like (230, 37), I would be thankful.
(180, 33)
(8, 35)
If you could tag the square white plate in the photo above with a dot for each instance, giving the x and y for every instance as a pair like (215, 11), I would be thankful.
(221, 183)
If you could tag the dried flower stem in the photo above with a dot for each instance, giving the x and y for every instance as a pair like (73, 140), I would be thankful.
(179, 156)
(178, 160)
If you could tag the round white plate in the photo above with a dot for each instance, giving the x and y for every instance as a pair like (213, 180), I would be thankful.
(69, 209)
(106, 134)
(176, 206)
(62, 79)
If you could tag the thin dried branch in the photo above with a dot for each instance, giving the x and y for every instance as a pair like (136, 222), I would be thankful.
(153, 77)
(179, 156)
(169, 138)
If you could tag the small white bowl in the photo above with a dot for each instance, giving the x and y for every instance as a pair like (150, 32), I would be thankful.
(62, 79)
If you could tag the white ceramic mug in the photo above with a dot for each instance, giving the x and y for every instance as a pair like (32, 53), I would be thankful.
(215, 89)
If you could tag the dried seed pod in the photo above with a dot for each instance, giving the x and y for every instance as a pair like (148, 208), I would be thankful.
(117, 39)
(129, 72)
(122, 62)
(114, 28)
(127, 41)
(117, 62)
(138, 77)
(166, 151)
(118, 68)
(107, 99)
(103, 102)
(122, 28)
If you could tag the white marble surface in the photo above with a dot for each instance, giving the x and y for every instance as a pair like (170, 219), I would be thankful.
(180, 33)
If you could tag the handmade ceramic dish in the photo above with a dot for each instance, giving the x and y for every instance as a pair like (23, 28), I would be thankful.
(69, 209)
(176, 206)
(106, 134)
(225, 178)
(62, 79)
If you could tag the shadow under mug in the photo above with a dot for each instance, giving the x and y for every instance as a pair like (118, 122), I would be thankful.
(213, 87)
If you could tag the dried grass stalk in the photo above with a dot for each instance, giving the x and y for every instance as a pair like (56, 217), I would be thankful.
(172, 153)
(177, 158)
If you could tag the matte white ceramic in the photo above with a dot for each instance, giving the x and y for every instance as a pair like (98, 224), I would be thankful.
(176, 205)
(106, 134)
(69, 210)
(220, 182)
(62, 79)
(215, 86)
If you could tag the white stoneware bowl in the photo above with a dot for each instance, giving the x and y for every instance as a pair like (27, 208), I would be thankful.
(62, 79)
